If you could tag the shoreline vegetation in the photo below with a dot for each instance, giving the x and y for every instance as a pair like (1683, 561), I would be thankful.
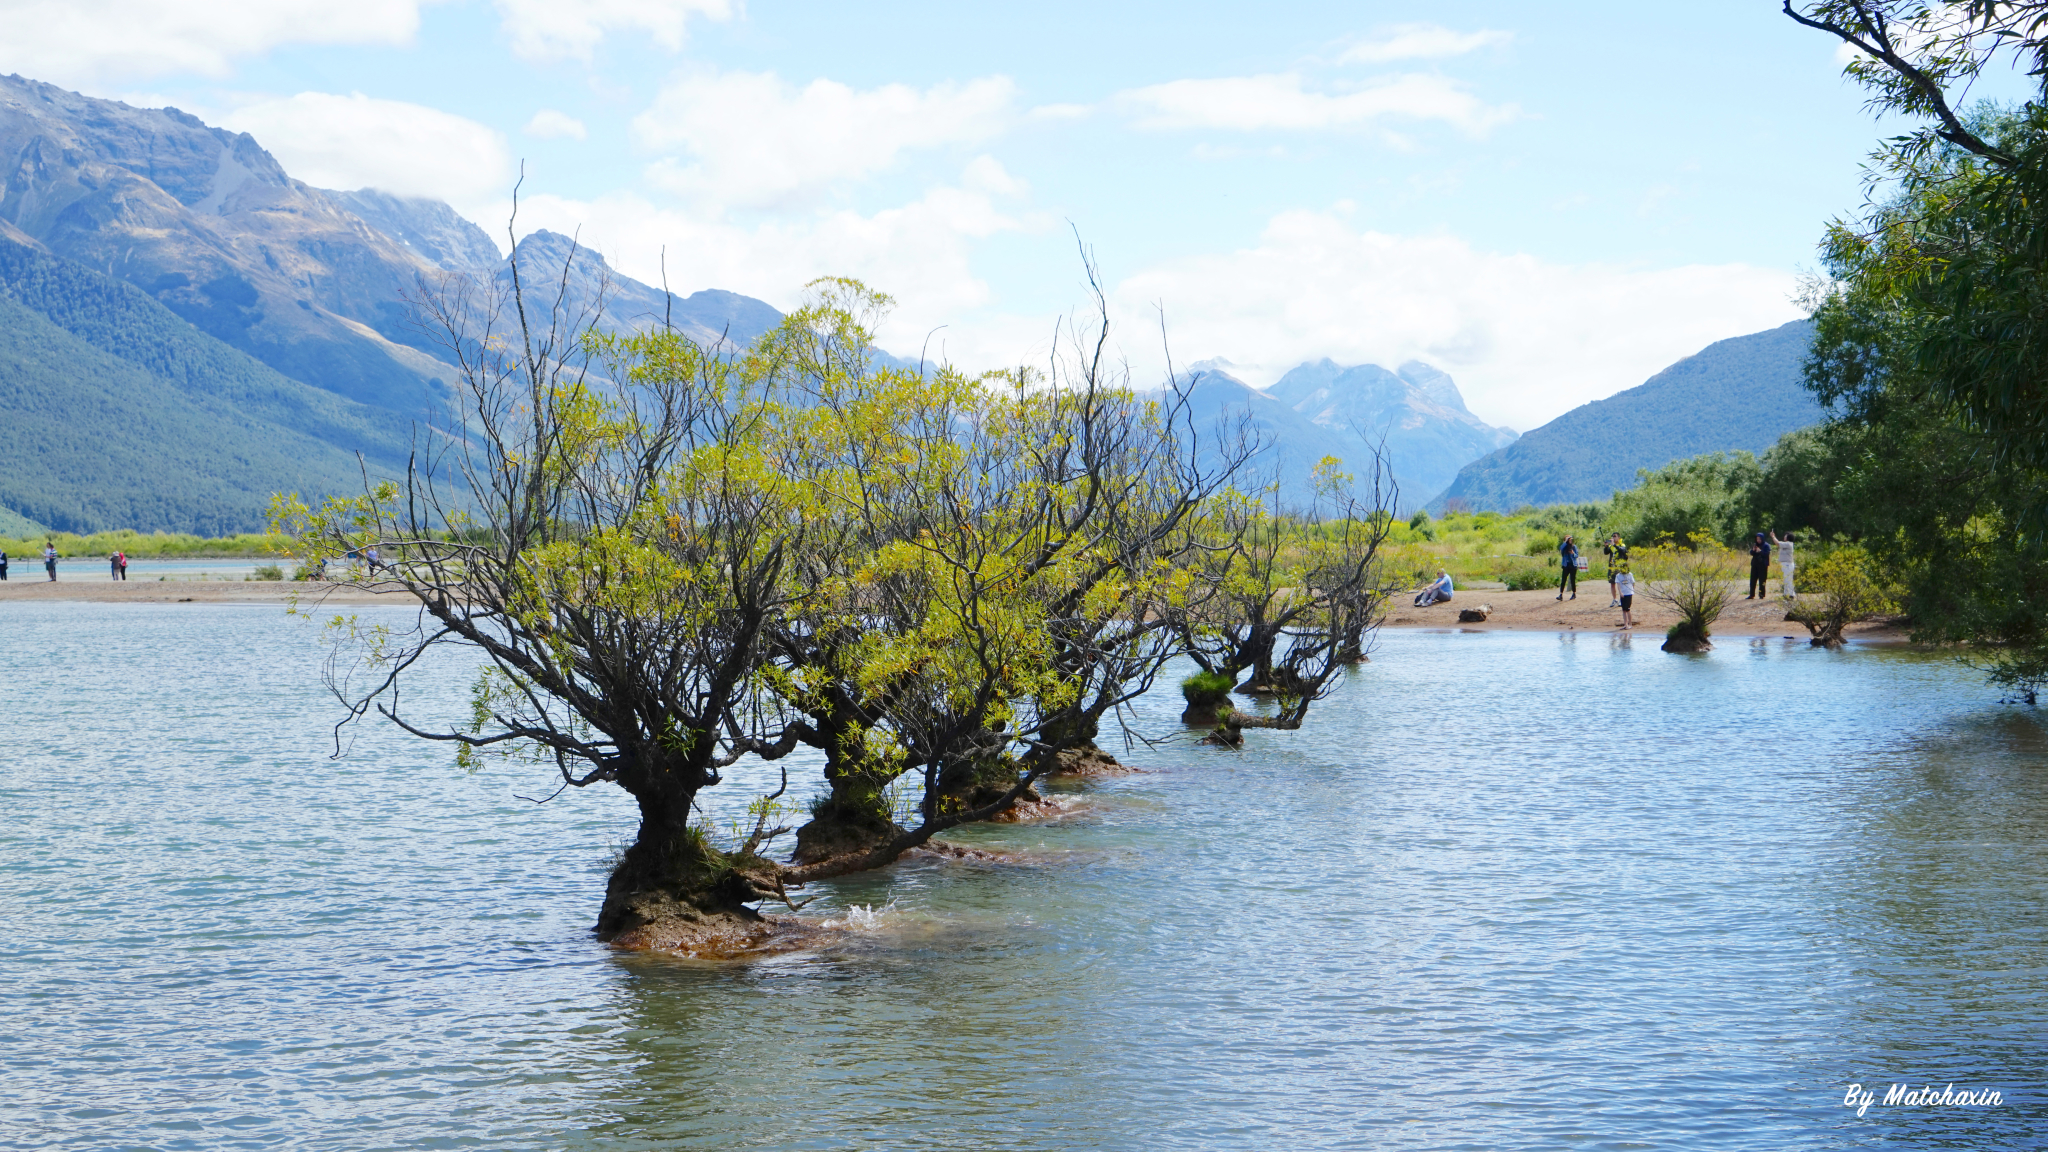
(72, 546)
(1526, 611)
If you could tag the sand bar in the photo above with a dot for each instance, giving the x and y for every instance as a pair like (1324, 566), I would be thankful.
(1512, 611)
(1542, 612)
(105, 591)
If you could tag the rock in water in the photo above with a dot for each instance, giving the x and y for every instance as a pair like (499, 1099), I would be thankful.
(1475, 615)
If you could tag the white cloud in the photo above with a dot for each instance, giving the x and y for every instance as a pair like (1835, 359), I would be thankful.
(555, 29)
(1526, 339)
(1252, 103)
(548, 124)
(1420, 42)
(353, 141)
(753, 139)
(918, 252)
(90, 42)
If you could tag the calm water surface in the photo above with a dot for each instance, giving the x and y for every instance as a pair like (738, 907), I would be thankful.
(1507, 891)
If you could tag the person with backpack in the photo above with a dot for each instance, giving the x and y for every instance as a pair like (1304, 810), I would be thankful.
(1568, 559)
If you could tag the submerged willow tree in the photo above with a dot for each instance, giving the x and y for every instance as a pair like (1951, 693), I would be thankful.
(1009, 547)
(1285, 599)
(608, 531)
(670, 557)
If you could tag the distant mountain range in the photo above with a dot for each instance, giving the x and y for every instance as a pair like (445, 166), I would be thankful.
(188, 329)
(185, 330)
(1739, 394)
(1415, 414)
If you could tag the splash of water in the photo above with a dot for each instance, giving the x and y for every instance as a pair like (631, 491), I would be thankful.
(863, 917)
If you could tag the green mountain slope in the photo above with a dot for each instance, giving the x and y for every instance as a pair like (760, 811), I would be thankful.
(116, 413)
(1742, 393)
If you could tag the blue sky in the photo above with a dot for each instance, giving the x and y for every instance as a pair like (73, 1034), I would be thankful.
(1549, 202)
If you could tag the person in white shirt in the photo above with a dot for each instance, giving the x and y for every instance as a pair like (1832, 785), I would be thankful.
(1437, 592)
(1784, 544)
(1625, 584)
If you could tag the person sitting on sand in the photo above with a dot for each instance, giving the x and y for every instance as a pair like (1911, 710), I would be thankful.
(1437, 593)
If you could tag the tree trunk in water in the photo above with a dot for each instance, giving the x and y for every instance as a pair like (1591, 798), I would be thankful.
(1257, 654)
(1075, 751)
(671, 890)
(1352, 650)
(978, 781)
(854, 818)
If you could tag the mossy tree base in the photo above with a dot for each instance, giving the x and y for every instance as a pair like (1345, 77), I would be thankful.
(833, 833)
(1684, 638)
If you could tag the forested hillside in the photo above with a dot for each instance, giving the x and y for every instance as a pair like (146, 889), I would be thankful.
(116, 413)
(1736, 395)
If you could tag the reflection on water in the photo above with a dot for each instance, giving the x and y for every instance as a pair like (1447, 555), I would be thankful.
(1506, 891)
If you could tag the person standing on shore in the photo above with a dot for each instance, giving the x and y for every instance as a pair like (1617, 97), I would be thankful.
(1568, 558)
(1617, 563)
(124, 564)
(1759, 568)
(370, 554)
(1784, 544)
(1625, 583)
(50, 560)
(114, 565)
(3, 566)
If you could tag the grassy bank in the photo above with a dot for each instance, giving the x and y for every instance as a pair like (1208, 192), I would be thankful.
(1520, 549)
(143, 545)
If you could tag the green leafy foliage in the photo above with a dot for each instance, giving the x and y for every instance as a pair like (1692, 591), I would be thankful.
(1529, 577)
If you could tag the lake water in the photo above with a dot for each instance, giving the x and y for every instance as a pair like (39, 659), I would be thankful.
(1506, 891)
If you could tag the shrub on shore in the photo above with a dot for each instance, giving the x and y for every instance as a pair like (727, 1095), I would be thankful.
(1697, 589)
(1529, 577)
(1842, 588)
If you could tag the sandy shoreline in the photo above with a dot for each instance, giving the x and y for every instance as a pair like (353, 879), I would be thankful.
(1540, 611)
(1512, 611)
(272, 592)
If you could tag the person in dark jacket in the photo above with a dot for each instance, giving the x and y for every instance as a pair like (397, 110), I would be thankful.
(1568, 557)
(1759, 568)
(3, 565)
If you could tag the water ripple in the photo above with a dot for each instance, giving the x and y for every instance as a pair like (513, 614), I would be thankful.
(1505, 891)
